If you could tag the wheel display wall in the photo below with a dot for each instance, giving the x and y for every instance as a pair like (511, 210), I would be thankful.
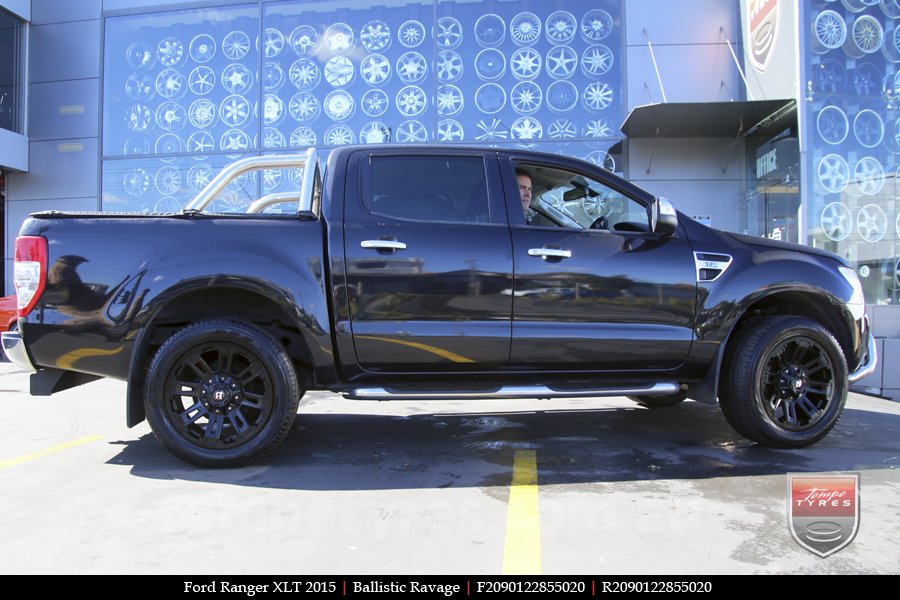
(853, 135)
(212, 84)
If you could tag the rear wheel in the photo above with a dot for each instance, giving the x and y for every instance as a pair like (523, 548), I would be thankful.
(784, 382)
(221, 393)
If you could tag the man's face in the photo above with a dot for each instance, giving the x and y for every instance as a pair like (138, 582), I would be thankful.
(524, 190)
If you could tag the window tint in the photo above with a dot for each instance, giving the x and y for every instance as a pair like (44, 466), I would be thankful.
(428, 188)
(565, 199)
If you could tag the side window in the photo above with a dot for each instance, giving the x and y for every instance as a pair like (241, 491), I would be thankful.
(428, 188)
(566, 199)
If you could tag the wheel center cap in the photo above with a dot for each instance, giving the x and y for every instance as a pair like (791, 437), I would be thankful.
(797, 384)
(219, 395)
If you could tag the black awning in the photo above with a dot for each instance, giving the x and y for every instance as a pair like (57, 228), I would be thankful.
(701, 119)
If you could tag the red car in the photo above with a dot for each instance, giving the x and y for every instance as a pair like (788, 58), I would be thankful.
(8, 313)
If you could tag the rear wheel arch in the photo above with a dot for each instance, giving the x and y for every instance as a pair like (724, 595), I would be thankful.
(231, 303)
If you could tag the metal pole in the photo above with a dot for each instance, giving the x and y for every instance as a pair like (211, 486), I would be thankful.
(655, 66)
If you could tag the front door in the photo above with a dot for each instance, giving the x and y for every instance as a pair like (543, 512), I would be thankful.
(595, 289)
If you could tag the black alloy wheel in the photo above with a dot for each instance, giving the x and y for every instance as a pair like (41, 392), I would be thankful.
(797, 383)
(784, 382)
(221, 393)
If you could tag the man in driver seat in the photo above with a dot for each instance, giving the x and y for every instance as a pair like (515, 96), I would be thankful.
(532, 217)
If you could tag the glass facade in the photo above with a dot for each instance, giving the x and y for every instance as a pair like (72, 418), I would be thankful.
(852, 133)
(772, 206)
(12, 53)
(187, 91)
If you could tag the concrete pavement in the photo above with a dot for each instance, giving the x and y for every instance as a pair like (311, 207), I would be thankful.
(416, 487)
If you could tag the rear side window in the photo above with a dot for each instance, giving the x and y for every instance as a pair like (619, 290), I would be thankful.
(428, 188)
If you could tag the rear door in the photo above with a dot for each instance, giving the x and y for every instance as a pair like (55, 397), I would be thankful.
(595, 289)
(428, 263)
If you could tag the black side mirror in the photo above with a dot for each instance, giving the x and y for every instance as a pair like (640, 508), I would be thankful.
(665, 219)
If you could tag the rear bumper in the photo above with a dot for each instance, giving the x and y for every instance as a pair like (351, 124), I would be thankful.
(15, 350)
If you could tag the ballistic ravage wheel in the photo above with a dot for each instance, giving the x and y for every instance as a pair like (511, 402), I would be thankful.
(220, 393)
(660, 401)
(784, 382)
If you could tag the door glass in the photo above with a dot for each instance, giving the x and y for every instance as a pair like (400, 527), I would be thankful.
(566, 199)
(428, 188)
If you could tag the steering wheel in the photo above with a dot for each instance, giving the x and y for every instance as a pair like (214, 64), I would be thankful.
(600, 223)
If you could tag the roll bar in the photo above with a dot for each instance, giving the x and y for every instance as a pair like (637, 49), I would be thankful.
(307, 161)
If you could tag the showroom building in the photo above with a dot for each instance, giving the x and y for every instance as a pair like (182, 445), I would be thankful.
(776, 118)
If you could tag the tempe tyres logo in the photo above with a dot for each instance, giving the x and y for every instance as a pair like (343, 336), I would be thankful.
(823, 511)
(763, 25)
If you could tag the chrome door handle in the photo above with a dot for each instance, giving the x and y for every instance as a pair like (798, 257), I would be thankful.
(546, 253)
(383, 244)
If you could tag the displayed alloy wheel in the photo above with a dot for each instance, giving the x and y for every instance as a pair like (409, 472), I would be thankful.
(836, 221)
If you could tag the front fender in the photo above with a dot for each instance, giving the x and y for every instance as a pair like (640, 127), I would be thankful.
(796, 284)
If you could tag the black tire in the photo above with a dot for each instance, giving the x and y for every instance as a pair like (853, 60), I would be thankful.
(784, 382)
(660, 401)
(221, 393)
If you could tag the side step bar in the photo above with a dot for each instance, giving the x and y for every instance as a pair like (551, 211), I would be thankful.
(512, 391)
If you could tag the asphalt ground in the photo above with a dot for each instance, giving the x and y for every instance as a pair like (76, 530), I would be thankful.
(587, 486)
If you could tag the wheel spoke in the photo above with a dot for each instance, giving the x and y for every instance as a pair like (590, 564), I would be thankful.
(214, 427)
(253, 400)
(187, 418)
(820, 389)
(226, 360)
(798, 350)
(200, 367)
(815, 365)
(790, 413)
(249, 374)
(805, 404)
(238, 421)
(187, 388)
(776, 403)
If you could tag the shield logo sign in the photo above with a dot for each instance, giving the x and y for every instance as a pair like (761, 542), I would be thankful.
(763, 26)
(823, 511)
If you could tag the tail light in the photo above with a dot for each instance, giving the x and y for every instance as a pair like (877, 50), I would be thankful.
(30, 271)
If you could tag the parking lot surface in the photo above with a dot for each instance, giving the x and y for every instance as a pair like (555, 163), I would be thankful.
(587, 486)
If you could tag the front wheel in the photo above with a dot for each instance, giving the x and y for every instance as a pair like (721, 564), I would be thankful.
(221, 393)
(784, 382)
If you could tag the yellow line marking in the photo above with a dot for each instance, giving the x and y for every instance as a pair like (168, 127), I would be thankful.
(452, 356)
(48, 451)
(522, 552)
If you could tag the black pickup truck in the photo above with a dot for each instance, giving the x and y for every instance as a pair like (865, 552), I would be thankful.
(417, 273)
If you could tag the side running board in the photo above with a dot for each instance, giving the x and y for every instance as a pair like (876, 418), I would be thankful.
(512, 391)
